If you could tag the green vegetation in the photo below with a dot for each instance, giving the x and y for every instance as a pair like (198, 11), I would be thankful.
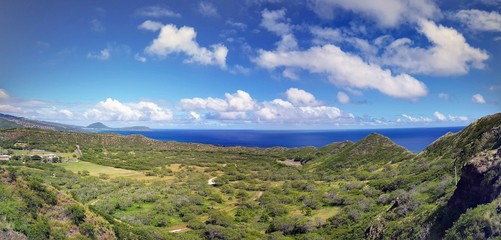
(132, 187)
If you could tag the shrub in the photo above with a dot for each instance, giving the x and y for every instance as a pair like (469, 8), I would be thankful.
(76, 213)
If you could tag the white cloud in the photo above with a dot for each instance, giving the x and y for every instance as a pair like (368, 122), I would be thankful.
(151, 25)
(284, 111)
(449, 54)
(195, 116)
(277, 23)
(114, 110)
(207, 9)
(443, 96)
(157, 12)
(214, 104)
(4, 94)
(323, 36)
(458, 118)
(477, 98)
(48, 113)
(183, 40)
(6, 108)
(237, 102)
(480, 20)
(345, 69)
(412, 119)
(290, 74)
(343, 98)
(67, 113)
(97, 26)
(300, 107)
(387, 13)
(240, 101)
(302, 98)
(440, 116)
(104, 54)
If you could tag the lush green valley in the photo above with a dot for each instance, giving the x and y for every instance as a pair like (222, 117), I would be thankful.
(132, 187)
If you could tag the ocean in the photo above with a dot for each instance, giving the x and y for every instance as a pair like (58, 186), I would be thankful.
(414, 139)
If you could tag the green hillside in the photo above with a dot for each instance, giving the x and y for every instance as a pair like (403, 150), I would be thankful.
(138, 188)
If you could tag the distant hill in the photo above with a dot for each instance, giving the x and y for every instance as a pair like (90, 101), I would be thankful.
(101, 126)
(98, 125)
(9, 121)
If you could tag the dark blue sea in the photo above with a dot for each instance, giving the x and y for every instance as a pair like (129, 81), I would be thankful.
(414, 139)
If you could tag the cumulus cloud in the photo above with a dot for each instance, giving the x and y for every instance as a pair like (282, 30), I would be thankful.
(237, 102)
(299, 107)
(479, 20)
(343, 98)
(386, 13)
(477, 98)
(345, 69)
(183, 40)
(284, 111)
(104, 54)
(4, 94)
(276, 22)
(449, 54)
(113, 110)
(300, 97)
(157, 12)
(207, 9)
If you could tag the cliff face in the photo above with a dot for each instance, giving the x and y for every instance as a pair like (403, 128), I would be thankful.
(480, 181)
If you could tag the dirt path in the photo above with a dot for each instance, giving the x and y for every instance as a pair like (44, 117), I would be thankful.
(211, 181)
(179, 230)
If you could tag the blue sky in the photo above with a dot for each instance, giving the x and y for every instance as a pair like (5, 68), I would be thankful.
(258, 64)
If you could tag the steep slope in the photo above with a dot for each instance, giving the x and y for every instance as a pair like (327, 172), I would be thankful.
(30, 209)
(480, 135)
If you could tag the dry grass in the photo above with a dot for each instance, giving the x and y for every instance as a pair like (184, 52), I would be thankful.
(112, 172)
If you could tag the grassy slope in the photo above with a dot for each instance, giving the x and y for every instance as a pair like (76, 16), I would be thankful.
(347, 187)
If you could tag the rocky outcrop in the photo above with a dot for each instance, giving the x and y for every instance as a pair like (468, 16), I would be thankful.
(480, 184)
